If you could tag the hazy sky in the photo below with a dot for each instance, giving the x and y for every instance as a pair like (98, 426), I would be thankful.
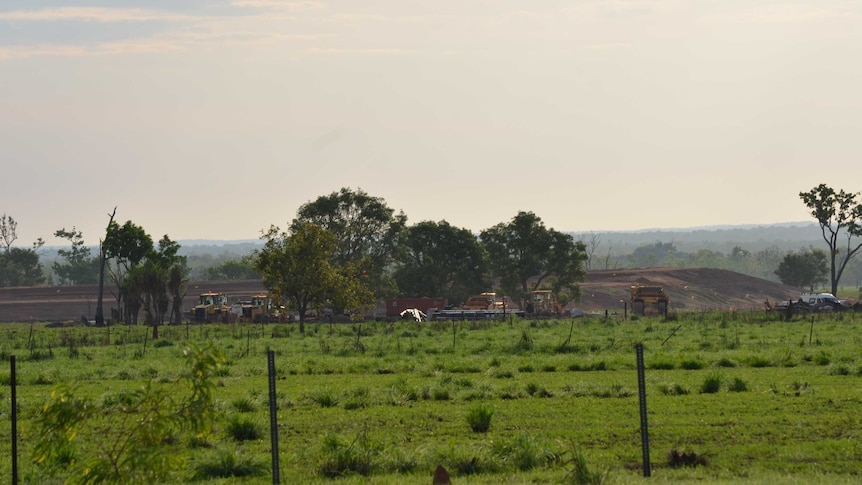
(216, 118)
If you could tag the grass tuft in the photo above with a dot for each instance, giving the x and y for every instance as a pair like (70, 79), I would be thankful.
(479, 418)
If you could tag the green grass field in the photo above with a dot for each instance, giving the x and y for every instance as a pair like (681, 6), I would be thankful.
(744, 397)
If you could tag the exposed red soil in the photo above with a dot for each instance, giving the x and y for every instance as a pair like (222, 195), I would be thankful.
(701, 288)
(70, 303)
(692, 288)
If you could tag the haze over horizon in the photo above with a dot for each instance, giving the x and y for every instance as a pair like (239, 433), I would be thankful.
(214, 120)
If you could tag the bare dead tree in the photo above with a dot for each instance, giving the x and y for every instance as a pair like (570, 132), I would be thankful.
(8, 231)
(100, 316)
(592, 243)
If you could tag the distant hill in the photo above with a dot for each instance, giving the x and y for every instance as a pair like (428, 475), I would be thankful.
(790, 236)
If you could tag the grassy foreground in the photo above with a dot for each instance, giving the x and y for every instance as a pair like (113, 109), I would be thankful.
(732, 397)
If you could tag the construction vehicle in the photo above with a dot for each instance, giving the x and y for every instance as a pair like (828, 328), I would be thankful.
(543, 303)
(213, 307)
(483, 301)
(822, 302)
(648, 296)
(258, 309)
(484, 306)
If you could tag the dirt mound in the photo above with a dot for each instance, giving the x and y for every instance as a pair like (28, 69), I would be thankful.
(699, 288)
(70, 303)
(689, 288)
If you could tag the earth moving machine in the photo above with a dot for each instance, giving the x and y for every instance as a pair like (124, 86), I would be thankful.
(213, 307)
(543, 303)
(484, 306)
(644, 297)
(258, 310)
(483, 301)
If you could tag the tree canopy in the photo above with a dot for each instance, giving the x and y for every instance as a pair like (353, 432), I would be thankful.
(804, 269)
(18, 266)
(80, 267)
(301, 269)
(366, 232)
(437, 259)
(840, 218)
(526, 256)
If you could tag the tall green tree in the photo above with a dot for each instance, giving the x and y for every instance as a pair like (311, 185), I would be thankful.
(840, 218)
(127, 246)
(302, 269)
(804, 269)
(80, 267)
(18, 266)
(526, 256)
(436, 259)
(21, 267)
(366, 232)
(160, 284)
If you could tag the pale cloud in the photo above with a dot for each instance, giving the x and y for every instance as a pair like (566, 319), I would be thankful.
(802, 12)
(91, 14)
(279, 4)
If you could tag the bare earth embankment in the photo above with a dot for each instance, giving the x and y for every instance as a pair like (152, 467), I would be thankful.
(689, 289)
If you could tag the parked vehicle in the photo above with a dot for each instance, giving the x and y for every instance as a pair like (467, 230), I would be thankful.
(648, 296)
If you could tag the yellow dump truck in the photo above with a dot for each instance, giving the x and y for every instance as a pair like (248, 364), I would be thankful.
(644, 297)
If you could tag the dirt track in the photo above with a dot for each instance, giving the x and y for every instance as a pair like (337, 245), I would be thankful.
(62, 303)
(701, 288)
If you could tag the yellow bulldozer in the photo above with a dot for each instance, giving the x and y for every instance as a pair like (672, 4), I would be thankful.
(212, 308)
(259, 309)
(543, 303)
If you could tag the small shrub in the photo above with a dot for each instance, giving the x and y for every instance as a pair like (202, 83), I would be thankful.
(42, 380)
(355, 403)
(479, 418)
(440, 394)
(677, 459)
(241, 428)
(725, 362)
(341, 458)
(711, 384)
(244, 405)
(662, 365)
(759, 362)
(524, 453)
(692, 364)
(466, 461)
(737, 385)
(672, 389)
(579, 471)
(227, 464)
(325, 398)
(798, 388)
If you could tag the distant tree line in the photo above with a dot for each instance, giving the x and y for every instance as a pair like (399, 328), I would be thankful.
(353, 250)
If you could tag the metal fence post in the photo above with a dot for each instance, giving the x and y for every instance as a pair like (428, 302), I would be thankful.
(273, 419)
(639, 348)
(14, 423)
